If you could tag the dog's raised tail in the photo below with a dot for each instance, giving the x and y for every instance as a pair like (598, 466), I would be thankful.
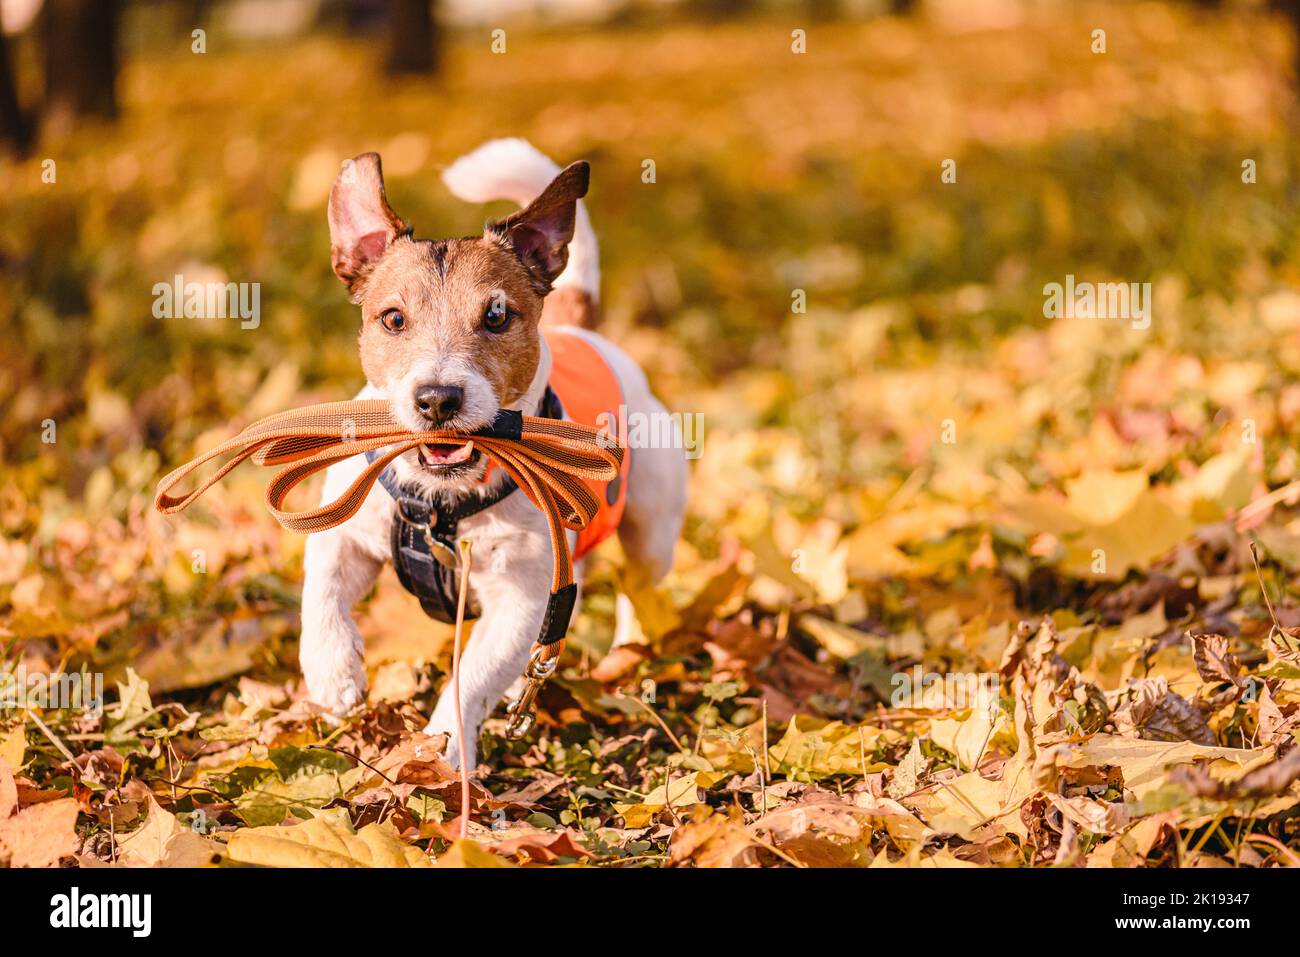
(516, 170)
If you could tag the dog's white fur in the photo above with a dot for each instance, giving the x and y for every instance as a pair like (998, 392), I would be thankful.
(511, 552)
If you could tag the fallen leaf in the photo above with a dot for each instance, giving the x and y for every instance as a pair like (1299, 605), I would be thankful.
(1145, 764)
(8, 791)
(545, 847)
(327, 840)
(820, 748)
(40, 835)
(467, 853)
(162, 841)
(969, 737)
(1149, 709)
(677, 794)
(909, 773)
(1264, 781)
(13, 744)
(712, 840)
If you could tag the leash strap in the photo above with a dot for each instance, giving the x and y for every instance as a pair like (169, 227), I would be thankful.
(549, 460)
(423, 540)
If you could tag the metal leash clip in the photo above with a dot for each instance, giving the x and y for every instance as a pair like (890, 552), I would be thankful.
(541, 665)
(443, 553)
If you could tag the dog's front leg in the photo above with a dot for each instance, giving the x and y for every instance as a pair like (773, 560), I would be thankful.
(340, 565)
(511, 582)
(338, 572)
(495, 656)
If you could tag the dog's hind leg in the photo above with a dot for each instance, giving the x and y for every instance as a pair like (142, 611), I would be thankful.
(656, 485)
(652, 519)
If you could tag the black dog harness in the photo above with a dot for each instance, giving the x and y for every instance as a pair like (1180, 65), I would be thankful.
(424, 533)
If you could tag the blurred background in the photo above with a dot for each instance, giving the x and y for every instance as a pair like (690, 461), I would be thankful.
(199, 137)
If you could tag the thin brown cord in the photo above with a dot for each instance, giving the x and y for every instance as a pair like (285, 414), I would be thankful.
(465, 547)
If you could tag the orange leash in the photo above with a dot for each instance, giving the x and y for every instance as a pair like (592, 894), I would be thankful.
(548, 459)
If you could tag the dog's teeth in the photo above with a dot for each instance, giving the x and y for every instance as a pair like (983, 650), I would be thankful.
(445, 455)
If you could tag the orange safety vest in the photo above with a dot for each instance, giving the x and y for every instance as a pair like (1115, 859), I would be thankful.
(591, 395)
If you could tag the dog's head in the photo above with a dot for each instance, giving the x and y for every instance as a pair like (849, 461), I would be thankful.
(449, 327)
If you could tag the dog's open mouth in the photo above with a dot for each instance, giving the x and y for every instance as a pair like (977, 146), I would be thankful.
(448, 458)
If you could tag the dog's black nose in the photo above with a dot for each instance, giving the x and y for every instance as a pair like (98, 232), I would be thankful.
(438, 403)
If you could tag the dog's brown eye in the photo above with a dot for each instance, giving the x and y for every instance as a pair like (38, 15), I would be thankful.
(393, 321)
(497, 316)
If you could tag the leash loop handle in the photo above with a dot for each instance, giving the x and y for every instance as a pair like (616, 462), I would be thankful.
(549, 459)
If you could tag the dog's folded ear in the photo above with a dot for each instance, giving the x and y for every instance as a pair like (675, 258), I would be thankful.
(362, 224)
(539, 234)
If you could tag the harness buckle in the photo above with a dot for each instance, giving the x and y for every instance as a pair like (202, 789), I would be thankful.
(411, 511)
(541, 665)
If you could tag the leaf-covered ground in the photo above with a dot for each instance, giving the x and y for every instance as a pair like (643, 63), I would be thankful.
(961, 585)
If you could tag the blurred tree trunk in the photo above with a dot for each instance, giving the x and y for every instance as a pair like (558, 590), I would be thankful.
(1291, 10)
(822, 10)
(722, 9)
(14, 128)
(364, 16)
(80, 39)
(197, 13)
(413, 37)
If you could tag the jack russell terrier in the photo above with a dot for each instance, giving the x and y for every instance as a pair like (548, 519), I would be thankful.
(451, 332)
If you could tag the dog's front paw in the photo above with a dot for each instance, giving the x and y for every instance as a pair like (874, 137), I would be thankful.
(338, 693)
(336, 682)
(437, 725)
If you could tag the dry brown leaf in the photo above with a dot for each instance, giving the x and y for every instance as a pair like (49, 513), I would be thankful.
(1133, 846)
(822, 812)
(713, 840)
(1274, 724)
(735, 648)
(1148, 709)
(162, 841)
(8, 791)
(40, 835)
(814, 851)
(1272, 778)
(619, 663)
(1097, 817)
(418, 759)
(909, 773)
(1214, 662)
(544, 847)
